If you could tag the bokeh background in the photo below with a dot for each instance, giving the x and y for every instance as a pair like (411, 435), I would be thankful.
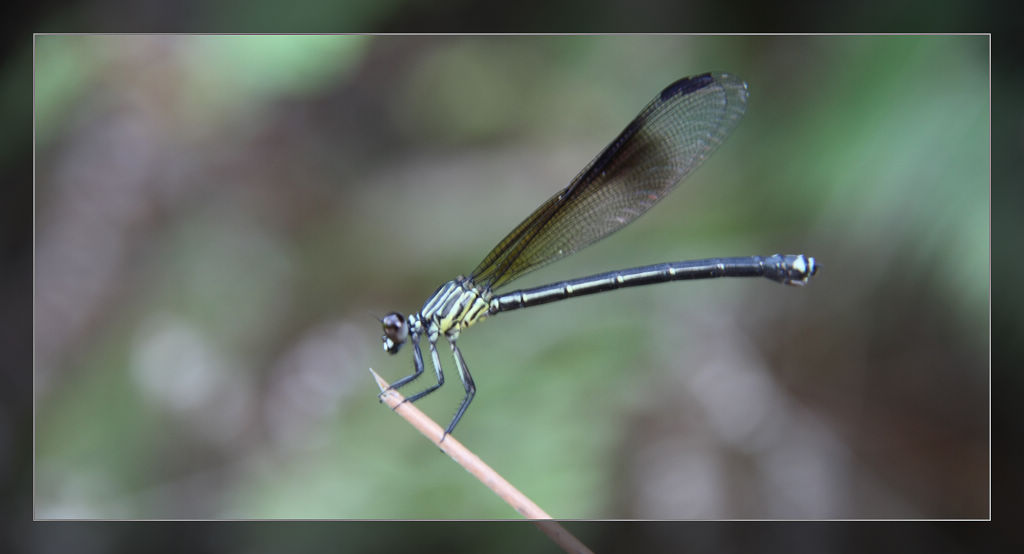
(219, 219)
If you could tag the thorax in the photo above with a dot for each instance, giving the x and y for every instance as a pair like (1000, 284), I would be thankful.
(454, 306)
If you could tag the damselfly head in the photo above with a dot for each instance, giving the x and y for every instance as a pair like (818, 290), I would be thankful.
(396, 330)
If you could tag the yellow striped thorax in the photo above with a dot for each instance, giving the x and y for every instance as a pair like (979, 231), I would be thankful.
(454, 306)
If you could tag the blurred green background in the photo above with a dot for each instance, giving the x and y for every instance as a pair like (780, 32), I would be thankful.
(220, 219)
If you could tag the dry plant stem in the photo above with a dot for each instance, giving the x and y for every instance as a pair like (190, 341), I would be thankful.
(473, 464)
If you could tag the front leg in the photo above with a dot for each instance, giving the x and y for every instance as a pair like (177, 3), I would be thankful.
(418, 360)
(417, 365)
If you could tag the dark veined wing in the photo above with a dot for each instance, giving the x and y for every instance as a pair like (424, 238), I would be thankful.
(670, 138)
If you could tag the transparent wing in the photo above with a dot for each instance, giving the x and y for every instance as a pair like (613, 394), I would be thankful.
(670, 138)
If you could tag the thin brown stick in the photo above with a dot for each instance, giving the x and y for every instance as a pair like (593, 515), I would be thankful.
(473, 464)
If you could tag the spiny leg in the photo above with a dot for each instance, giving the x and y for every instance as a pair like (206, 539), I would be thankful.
(417, 365)
(467, 383)
(437, 369)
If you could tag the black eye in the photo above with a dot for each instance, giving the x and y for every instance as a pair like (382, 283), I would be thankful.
(393, 323)
(395, 331)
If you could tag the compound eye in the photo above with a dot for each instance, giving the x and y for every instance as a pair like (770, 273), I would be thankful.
(396, 330)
